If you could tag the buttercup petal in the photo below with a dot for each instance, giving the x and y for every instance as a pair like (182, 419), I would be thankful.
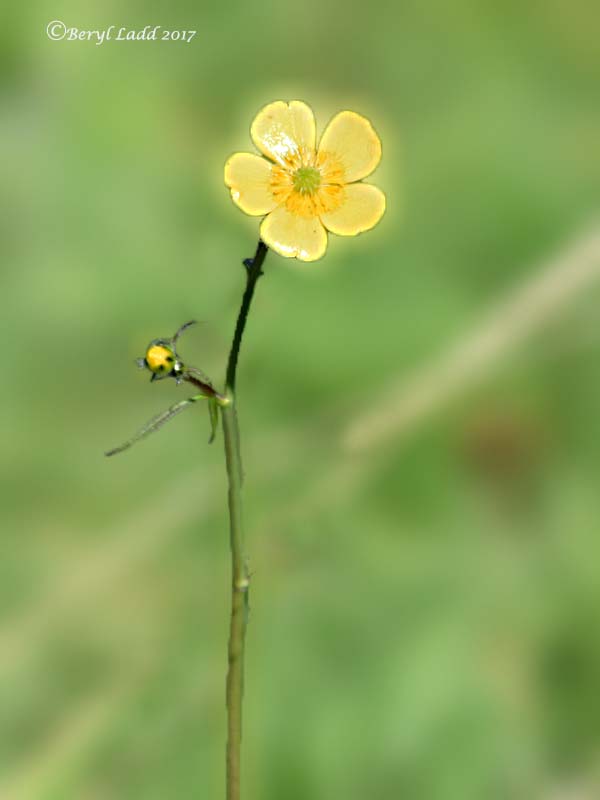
(248, 176)
(281, 131)
(351, 139)
(362, 208)
(294, 236)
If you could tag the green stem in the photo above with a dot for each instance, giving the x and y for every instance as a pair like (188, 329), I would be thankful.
(254, 271)
(240, 578)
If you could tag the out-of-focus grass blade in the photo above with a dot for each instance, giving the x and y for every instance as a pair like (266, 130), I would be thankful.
(157, 422)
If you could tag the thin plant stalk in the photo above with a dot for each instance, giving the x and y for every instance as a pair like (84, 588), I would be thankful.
(240, 577)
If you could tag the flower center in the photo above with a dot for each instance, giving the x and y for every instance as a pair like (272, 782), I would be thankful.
(307, 180)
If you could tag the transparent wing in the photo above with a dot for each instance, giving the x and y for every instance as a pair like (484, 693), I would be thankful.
(155, 423)
(197, 373)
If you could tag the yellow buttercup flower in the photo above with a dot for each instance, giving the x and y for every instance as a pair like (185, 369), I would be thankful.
(305, 190)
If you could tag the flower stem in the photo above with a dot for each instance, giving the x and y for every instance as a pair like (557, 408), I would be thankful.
(254, 271)
(240, 578)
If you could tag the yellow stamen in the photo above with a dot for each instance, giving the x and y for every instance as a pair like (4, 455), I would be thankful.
(309, 184)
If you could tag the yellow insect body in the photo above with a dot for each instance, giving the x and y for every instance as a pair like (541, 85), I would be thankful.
(160, 359)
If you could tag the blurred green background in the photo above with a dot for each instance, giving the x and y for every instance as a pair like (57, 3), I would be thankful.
(425, 602)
